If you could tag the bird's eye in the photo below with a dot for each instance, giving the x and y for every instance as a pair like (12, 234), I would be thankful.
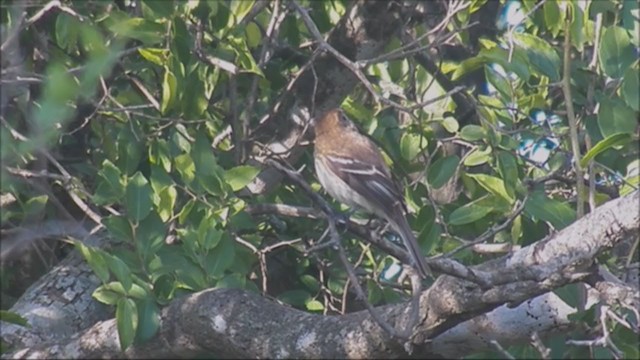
(344, 121)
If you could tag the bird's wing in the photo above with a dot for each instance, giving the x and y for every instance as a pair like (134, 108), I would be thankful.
(370, 179)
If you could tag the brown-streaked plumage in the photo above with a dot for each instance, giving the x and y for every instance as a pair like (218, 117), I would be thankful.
(351, 169)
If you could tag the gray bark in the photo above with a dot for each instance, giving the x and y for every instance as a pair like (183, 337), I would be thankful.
(237, 323)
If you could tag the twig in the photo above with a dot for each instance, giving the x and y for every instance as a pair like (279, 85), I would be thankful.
(33, 174)
(239, 126)
(143, 90)
(210, 59)
(571, 117)
(37, 16)
(453, 9)
(497, 347)
(518, 207)
(255, 10)
(284, 210)
(245, 115)
(356, 285)
(335, 242)
(494, 248)
(513, 27)
(602, 341)
(76, 199)
(356, 69)
(536, 342)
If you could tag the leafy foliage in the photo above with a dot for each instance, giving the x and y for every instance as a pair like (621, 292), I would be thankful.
(151, 155)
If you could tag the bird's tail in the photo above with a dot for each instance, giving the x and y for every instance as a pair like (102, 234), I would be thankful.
(400, 224)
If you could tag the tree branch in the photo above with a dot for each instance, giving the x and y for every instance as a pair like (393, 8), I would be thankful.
(236, 323)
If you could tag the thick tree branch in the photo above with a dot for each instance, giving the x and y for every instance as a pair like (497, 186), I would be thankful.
(235, 323)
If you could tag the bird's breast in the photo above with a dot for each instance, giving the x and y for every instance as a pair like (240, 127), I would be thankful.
(336, 187)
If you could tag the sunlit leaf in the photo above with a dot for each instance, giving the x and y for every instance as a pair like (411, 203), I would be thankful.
(127, 322)
(240, 176)
(616, 51)
(604, 144)
(138, 197)
(441, 170)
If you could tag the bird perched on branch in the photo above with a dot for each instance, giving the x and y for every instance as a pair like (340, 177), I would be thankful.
(351, 169)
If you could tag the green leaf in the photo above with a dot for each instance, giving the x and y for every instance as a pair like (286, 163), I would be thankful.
(450, 124)
(630, 15)
(242, 221)
(150, 236)
(616, 51)
(254, 35)
(67, 30)
(127, 322)
(553, 17)
(208, 236)
(516, 230)
(150, 33)
(473, 133)
(515, 62)
(136, 290)
(314, 305)
(468, 65)
(186, 209)
(493, 185)
(441, 170)
(240, 176)
(110, 184)
(106, 295)
(148, 319)
(159, 154)
(632, 178)
(153, 9)
(604, 144)
(411, 145)
(357, 110)
(469, 213)
(296, 298)
(130, 150)
(185, 166)
(138, 200)
(540, 55)
(428, 230)
(169, 91)
(95, 259)
(540, 207)
(221, 258)
(509, 170)
(311, 282)
(630, 88)
(154, 55)
(240, 8)
(167, 200)
(478, 157)
(195, 98)
(35, 205)
(232, 281)
(119, 227)
(502, 84)
(614, 116)
(160, 179)
(244, 58)
(207, 168)
(13, 318)
(570, 294)
(578, 26)
(121, 271)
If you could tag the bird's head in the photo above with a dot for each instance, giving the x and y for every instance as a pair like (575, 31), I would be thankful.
(332, 121)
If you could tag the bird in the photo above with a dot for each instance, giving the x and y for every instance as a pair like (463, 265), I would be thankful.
(350, 167)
